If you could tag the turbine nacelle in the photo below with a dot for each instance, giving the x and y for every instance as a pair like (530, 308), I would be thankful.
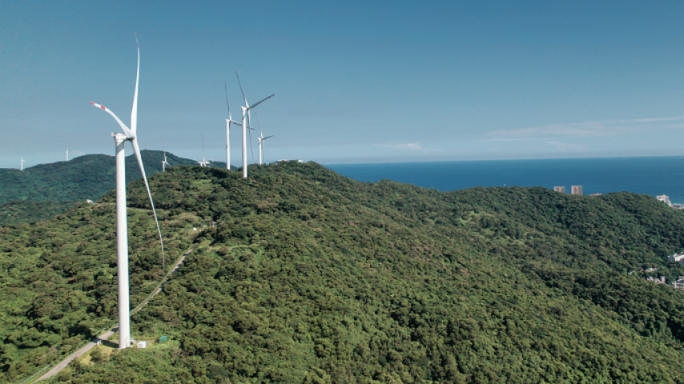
(231, 121)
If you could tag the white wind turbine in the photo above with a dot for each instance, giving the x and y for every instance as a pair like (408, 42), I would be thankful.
(67, 156)
(261, 139)
(164, 162)
(245, 123)
(121, 220)
(261, 146)
(22, 164)
(203, 163)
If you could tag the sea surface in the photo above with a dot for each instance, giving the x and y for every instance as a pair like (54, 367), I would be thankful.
(644, 175)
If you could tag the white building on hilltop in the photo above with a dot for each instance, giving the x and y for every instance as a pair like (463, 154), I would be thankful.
(665, 199)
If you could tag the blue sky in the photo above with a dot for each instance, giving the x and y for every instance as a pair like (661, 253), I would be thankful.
(355, 81)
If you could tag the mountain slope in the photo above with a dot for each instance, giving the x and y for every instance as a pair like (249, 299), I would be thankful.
(16, 212)
(313, 277)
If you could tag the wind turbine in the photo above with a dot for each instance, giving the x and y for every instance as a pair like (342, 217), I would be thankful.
(164, 162)
(121, 220)
(67, 156)
(245, 118)
(261, 139)
(203, 163)
(261, 146)
(22, 164)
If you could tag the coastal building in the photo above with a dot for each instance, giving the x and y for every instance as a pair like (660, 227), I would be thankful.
(665, 199)
(677, 257)
(596, 194)
(656, 280)
(576, 189)
(560, 189)
(679, 284)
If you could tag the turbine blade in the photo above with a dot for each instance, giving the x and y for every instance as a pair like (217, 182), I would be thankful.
(268, 137)
(129, 134)
(254, 106)
(225, 84)
(258, 123)
(134, 111)
(241, 90)
(136, 149)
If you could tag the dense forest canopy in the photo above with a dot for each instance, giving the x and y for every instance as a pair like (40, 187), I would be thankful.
(311, 277)
(27, 211)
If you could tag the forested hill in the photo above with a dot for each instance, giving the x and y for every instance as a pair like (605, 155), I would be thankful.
(310, 277)
(84, 177)
(43, 191)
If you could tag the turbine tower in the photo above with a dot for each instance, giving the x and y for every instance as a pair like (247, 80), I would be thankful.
(245, 123)
(229, 121)
(67, 156)
(22, 164)
(121, 220)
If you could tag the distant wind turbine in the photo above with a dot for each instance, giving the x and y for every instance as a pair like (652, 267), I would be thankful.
(203, 163)
(121, 220)
(164, 162)
(261, 146)
(67, 156)
(261, 139)
(245, 124)
(22, 164)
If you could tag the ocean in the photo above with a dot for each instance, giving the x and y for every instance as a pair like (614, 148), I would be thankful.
(643, 175)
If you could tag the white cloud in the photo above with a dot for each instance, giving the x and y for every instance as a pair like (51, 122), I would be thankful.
(587, 129)
(408, 146)
(565, 147)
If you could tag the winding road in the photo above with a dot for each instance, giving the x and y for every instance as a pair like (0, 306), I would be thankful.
(106, 335)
